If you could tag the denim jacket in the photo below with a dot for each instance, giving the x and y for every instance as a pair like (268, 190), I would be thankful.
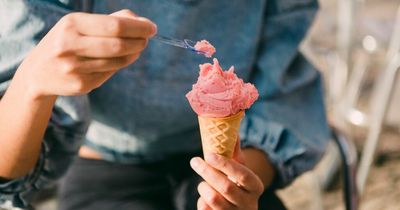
(141, 114)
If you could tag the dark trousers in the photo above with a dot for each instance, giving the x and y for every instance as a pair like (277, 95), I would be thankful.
(167, 185)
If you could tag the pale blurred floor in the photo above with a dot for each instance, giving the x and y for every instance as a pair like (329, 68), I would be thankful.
(382, 191)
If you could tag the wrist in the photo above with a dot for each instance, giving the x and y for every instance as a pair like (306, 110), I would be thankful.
(24, 117)
(29, 90)
(257, 161)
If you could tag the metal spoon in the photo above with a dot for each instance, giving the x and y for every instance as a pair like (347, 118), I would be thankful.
(186, 43)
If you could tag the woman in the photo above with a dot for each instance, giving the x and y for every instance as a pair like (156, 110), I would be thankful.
(84, 88)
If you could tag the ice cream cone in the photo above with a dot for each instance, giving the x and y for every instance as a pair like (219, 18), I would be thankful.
(219, 135)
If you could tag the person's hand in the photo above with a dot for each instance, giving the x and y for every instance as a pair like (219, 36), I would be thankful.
(228, 184)
(82, 51)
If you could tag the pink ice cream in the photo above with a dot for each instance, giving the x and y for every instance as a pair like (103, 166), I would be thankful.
(219, 93)
(206, 47)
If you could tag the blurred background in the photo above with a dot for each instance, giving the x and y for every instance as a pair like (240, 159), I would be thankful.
(355, 44)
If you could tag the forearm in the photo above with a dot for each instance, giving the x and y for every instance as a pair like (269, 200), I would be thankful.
(101, 45)
(258, 162)
(23, 119)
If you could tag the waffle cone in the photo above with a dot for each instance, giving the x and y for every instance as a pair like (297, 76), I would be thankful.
(219, 135)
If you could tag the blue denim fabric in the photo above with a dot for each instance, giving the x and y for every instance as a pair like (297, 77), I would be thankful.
(141, 114)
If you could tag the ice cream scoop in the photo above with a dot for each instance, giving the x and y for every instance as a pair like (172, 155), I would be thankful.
(219, 93)
(219, 98)
(205, 47)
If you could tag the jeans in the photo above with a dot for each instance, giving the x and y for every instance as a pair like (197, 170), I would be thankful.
(101, 185)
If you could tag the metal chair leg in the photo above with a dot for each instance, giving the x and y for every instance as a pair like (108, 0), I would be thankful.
(345, 22)
(394, 45)
(329, 165)
(349, 159)
(381, 101)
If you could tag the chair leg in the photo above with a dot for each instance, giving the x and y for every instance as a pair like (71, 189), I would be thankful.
(394, 45)
(381, 101)
(328, 166)
(347, 10)
(385, 88)
(346, 13)
(349, 159)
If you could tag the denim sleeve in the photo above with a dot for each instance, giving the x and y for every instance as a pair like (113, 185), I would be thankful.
(288, 121)
(22, 25)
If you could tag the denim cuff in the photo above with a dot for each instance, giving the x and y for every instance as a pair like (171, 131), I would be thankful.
(17, 190)
(289, 155)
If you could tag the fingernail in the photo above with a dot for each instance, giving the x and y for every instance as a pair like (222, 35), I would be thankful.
(155, 29)
(194, 162)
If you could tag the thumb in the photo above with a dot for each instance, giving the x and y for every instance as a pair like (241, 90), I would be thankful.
(237, 153)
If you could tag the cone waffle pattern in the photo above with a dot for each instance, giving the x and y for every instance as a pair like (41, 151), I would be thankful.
(219, 135)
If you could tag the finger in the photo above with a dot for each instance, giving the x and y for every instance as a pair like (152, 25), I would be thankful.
(97, 79)
(89, 65)
(218, 181)
(236, 171)
(202, 205)
(84, 83)
(111, 26)
(108, 47)
(212, 198)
